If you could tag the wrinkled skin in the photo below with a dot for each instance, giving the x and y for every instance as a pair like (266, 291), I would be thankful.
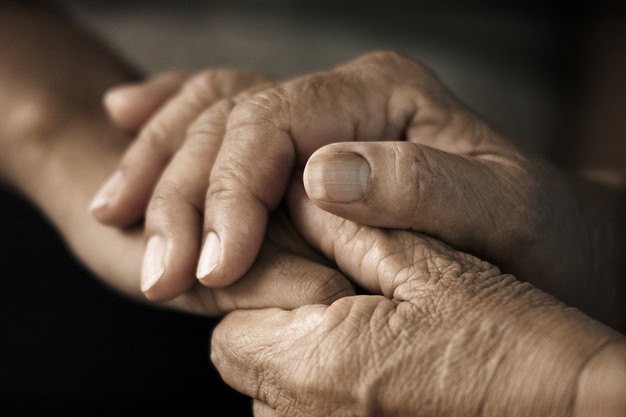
(57, 146)
(449, 336)
(460, 180)
(457, 335)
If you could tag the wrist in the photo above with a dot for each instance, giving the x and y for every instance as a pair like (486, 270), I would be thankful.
(601, 390)
(541, 365)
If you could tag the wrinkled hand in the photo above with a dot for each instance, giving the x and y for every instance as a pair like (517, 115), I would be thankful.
(450, 335)
(287, 272)
(161, 110)
(462, 180)
(57, 147)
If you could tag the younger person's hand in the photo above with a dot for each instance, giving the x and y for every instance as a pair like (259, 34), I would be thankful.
(57, 146)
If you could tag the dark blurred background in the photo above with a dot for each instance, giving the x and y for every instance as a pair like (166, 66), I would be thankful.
(69, 343)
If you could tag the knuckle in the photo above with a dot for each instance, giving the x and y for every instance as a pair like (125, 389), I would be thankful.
(225, 82)
(262, 83)
(412, 176)
(203, 87)
(156, 135)
(175, 77)
(389, 59)
(410, 77)
(229, 181)
(167, 192)
(232, 82)
(232, 187)
(209, 87)
(212, 122)
(418, 184)
(268, 106)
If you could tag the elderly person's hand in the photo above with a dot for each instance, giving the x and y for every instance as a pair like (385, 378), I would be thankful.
(57, 146)
(459, 178)
(449, 335)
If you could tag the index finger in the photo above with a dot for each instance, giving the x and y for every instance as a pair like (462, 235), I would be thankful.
(276, 130)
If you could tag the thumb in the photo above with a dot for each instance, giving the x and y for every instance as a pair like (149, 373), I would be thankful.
(130, 105)
(252, 348)
(379, 261)
(460, 199)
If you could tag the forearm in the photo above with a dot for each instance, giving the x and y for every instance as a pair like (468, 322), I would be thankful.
(52, 80)
(57, 145)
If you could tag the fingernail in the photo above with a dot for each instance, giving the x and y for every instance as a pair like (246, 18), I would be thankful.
(339, 177)
(110, 97)
(153, 262)
(117, 95)
(210, 257)
(108, 192)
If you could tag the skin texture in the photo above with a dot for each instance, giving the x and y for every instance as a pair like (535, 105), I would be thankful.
(57, 146)
(461, 180)
(123, 199)
(438, 313)
(450, 335)
(519, 351)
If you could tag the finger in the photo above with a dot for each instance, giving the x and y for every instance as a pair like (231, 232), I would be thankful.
(281, 279)
(462, 200)
(267, 135)
(380, 260)
(129, 106)
(123, 198)
(174, 214)
(173, 225)
(276, 279)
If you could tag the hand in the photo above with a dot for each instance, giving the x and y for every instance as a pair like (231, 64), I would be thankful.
(160, 111)
(450, 335)
(62, 147)
(463, 181)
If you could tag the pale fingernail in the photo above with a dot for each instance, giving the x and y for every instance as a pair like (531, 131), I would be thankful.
(111, 98)
(340, 177)
(210, 256)
(153, 262)
(108, 192)
(117, 95)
